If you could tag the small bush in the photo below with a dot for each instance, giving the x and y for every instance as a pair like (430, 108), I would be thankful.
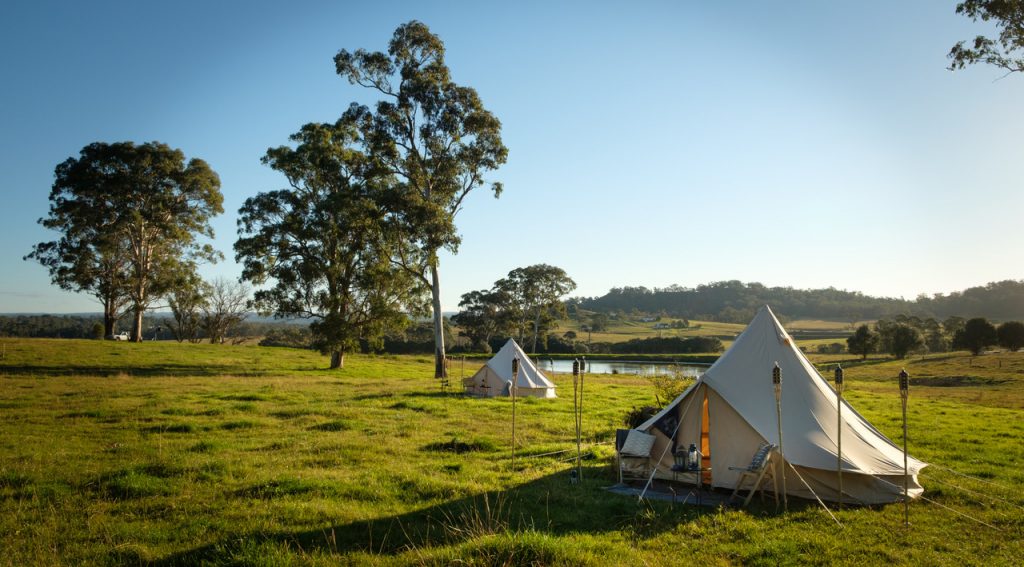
(636, 416)
(668, 387)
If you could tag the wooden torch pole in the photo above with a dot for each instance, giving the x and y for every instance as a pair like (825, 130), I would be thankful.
(579, 421)
(839, 430)
(777, 383)
(904, 392)
(513, 388)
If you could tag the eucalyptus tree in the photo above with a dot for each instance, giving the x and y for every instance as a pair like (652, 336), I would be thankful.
(898, 339)
(482, 315)
(862, 342)
(535, 296)
(133, 213)
(976, 335)
(187, 301)
(322, 244)
(435, 138)
(87, 258)
(1011, 335)
(1007, 50)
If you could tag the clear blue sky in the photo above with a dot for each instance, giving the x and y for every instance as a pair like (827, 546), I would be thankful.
(804, 144)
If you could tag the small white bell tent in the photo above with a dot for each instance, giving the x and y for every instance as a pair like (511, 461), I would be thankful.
(495, 378)
(731, 410)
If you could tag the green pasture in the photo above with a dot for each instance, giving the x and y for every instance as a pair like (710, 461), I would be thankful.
(622, 330)
(167, 454)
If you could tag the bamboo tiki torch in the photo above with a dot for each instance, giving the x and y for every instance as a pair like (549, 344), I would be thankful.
(777, 383)
(513, 388)
(839, 430)
(904, 392)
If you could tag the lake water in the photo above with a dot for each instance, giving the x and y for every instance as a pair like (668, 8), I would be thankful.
(622, 367)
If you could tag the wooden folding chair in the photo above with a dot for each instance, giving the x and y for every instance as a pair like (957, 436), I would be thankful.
(757, 469)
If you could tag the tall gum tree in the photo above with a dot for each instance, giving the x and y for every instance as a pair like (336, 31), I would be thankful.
(323, 244)
(88, 257)
(437, 140)
(163, 203)
(536, 293)
(129, 216)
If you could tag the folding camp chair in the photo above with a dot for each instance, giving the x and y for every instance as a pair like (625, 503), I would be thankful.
(757, 469)
(634, 458)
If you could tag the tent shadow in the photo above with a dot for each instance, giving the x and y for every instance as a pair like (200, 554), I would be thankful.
(547, 505)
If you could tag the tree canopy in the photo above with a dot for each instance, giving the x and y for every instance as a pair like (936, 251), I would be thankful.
(862, 342)
(434, 137)
(898, 339)
(1011, 335)
(322, 244)
(976, 334)
(129, 216)
(1005, 51)
(535, 298)
(527, 297)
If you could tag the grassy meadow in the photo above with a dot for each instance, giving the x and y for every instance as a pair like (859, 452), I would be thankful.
(159, 453)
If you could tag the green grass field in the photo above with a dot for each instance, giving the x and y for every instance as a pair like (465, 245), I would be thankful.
(167, 454)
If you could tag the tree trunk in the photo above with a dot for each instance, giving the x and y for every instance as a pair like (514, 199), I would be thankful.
(536, 328)
(109, 319)
(435, 293)
(337, 360)
(137, 325)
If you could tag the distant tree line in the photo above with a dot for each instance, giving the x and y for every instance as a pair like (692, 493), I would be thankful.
(737, 302)
(907, 335)
(160, 326)
(51, 326)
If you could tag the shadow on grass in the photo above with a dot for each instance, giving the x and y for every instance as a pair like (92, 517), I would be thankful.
(550, 505)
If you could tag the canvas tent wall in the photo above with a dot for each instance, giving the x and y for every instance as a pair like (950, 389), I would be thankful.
(495, 378)
(731, 410)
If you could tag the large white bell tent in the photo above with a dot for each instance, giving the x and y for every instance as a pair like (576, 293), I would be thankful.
(495, 378)
(730, 411)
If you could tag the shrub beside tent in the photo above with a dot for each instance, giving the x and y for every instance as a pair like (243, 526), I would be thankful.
(495, 378)
(730, 412)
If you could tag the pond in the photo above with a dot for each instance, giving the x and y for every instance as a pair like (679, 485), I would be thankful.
(643, 368)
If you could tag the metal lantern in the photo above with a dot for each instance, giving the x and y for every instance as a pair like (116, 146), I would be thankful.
(839, 377)
(583, 364)
(904, 383)
(576, 367)
(515, 366)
